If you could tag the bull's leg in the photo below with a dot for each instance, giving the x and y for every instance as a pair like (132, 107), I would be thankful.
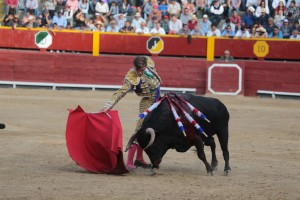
(223, 139)
(211, 142)
(201, 155)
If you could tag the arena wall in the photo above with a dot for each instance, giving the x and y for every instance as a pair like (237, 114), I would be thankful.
(32, 66)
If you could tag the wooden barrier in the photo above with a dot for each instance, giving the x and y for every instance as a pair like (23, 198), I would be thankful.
(117, 43)
(177, 72)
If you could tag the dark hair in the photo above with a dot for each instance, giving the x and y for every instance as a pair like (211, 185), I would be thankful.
(140, 61)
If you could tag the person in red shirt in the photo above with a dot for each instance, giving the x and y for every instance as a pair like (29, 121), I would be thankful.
(11, 5)
(192, 22)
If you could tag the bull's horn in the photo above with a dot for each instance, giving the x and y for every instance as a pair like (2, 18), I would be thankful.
(152, 134)
(132, 138)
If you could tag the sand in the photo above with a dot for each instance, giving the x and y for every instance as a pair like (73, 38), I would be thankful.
(35, 164)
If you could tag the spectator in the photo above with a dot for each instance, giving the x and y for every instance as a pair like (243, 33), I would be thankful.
(99, 26)
(143, 29)
(11, 5)
(60, 20)
(25, 18)
(155, 13)
(277, 33)
(227, 57)
(114, 9)
(45, 18)
(127, 28)
(136, 22)
(248, 18)
(32, 6)
(127, 8)
(174, 8)
(214, 31)
(9, 19)
(92, 5)
(69, 26)
(17, 21)
(228, 23)
(31, 22)
(261, 6)
(228, 32)
(185, 16)
(295, 35)
(204, 25)
(68, 13)
(278, 19)
(50, 7)
(193, 22)
(281, 7)
(84, 7)
(120, 19)
(292, 8)
(196, 31)
(60, 5)
(148, 7)
(263, 19)
(73, 4)
(174, 25)
(163, 7)
(113, 27)
(189, 4)
(242, 33)
(276, 3)
(102, 8)
(89, 25)
(101, 19)
(151, 23)
(297, 3)
(286, 29)
(296, 26)
(157, 30)
(233, 5)
(79, 20)
(203, 7)
(216, 12)
(184, 31)
(261, 33)
(270, 26)
(165, 24)
(236, 20)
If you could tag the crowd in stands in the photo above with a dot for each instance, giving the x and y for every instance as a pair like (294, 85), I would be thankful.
(221, 18)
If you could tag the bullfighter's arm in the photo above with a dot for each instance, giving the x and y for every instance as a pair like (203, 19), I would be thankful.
(117, 96)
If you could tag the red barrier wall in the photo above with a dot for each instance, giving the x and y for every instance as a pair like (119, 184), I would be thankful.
(109, 69)
(137, 44)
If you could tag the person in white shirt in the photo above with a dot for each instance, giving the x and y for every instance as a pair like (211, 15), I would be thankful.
(214, 31)
(174, 8)
(143, 29)
(137, 20)
(242, 33)
(216, 12)
(157, 30)
(295, 35)
(174, 25)
(102, 8)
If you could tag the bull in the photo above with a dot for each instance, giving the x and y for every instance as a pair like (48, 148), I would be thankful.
(2, 126)
(160, 132)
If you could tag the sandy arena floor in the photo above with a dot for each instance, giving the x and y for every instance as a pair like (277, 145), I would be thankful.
(264, 152)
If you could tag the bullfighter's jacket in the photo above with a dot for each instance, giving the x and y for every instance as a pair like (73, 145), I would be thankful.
(147, 86)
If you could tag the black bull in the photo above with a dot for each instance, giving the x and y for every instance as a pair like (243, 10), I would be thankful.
(160, 132)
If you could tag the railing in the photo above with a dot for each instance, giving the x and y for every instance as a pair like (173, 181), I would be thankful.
(167, 45)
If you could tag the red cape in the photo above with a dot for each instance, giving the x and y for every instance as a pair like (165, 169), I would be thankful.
(94, 141)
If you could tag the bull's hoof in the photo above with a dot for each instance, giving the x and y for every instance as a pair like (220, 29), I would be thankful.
(142, 164)
(211, 173)
(154, 171)
(227, 172)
